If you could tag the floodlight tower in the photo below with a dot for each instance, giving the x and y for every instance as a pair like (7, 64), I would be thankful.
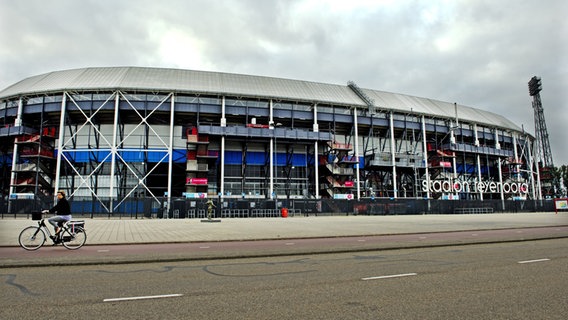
(535, 86)
(543, 153)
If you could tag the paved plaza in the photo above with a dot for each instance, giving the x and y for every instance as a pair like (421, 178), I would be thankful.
(104, 231)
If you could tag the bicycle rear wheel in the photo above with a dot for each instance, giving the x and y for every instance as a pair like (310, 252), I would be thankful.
(75, 240)
(32, 238)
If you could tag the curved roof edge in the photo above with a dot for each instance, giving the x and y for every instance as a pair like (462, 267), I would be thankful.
(218, 83)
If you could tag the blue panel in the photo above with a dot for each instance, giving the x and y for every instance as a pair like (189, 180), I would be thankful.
(132, 156)
(256, 158)
(233, 157)
(101, 155)
(280, 159)
(6, 159)
(469, 168)
(311, 161)
(299, 160)
(157, 157)
(68, 155)
(86, 156)
(179, 156)
(259, 158)
(460, 168)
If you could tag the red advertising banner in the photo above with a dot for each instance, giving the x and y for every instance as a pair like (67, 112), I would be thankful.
(196, 181)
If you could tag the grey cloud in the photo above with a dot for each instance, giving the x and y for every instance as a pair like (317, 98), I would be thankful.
(396, 48)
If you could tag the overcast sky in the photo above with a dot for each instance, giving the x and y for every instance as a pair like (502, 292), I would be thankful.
(476, 53)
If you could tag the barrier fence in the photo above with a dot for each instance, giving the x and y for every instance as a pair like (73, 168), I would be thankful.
(182, 208)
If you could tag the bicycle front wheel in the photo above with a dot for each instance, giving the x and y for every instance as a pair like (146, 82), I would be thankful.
(75, 240)
(31, 238)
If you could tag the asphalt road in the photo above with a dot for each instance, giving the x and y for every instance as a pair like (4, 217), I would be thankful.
(516, 280)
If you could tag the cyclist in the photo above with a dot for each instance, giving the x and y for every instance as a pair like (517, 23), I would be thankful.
(63, 212)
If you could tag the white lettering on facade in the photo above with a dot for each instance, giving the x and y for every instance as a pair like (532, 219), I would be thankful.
(456, 186)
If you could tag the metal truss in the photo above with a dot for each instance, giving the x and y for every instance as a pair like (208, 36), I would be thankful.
(112, 148)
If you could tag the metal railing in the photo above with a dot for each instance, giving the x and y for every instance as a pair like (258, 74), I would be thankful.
(182, 208)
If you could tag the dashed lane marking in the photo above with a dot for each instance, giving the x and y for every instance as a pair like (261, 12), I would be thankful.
(390, 276)
(143, 297)
(533, 261)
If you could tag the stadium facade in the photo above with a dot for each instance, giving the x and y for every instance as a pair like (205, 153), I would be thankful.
(120, 133)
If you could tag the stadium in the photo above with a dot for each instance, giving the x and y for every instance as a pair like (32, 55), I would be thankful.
(133, 140)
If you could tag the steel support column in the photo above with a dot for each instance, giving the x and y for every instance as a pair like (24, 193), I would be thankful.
(17, 123)
(393, 156)
(425, 156)
(536, 193)
(223, 124)
(356, 124)
(272, 147)
(316, 161)
(170, 147)
(113, 150)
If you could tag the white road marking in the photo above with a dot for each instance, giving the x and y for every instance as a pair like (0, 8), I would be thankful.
(422, 237)
(204, 247)
(143, 297)
(531, 261)
(361, 240)
(391, 276)
(103, 250)
(290, 243)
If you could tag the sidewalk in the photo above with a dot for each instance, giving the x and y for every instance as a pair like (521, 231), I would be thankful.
(144, 231)
(111, 241)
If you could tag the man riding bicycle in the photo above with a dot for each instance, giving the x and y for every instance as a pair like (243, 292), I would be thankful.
(63, 212)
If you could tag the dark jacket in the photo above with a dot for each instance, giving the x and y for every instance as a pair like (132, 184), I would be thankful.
(62, 208)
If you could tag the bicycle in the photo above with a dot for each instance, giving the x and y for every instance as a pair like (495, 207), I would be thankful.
(72, 234)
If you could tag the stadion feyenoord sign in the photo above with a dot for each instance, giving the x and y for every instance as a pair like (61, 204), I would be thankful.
(457, 186)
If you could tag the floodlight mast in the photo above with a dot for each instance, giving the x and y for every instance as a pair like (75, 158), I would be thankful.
(543, 144)
(543, 152)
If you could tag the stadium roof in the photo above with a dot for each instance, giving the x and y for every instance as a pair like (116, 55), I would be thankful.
(216, 83)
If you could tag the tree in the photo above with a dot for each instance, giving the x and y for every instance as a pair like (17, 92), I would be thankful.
(563, 180)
